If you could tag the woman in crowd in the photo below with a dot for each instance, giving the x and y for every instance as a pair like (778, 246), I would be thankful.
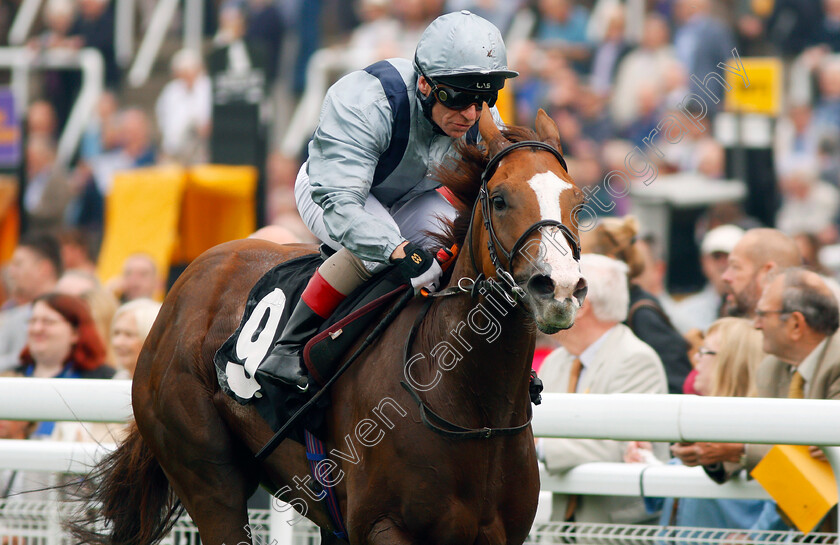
(131, 325)
(62, 341)
(726, 365)
(616, 238)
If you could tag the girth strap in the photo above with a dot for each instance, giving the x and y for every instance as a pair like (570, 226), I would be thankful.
(315, 452)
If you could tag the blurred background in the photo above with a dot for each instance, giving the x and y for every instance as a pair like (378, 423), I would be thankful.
(163, 127)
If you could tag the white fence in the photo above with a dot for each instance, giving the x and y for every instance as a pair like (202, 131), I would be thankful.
(619, 416)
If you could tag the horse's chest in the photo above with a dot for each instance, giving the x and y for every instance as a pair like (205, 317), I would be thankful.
(464, 495)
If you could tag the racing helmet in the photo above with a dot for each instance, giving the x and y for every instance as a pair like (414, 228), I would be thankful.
(463, 51)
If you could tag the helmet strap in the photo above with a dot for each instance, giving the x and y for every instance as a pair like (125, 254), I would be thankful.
(427, 102)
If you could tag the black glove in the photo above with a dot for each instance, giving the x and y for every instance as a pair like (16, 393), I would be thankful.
(419, 268)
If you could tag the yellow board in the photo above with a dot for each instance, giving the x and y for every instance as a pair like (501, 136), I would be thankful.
(174, 215)
(218, 206)
(9, 217)
(803, 487)
(764, 93)
(141, 216)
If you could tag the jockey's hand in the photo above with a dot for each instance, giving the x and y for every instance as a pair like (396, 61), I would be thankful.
(420, 268)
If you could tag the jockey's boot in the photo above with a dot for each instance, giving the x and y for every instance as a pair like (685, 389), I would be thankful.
(284, 365)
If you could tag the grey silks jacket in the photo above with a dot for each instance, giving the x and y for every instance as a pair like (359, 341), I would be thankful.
(354, 131)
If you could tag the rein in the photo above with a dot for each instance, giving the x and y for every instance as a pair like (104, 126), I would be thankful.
(431, 419)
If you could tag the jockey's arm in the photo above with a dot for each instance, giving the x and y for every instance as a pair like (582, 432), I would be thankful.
(343, 155)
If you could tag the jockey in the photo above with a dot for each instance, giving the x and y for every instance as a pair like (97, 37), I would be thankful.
(365, 190)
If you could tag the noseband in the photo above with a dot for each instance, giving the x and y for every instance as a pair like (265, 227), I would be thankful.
(506, 274)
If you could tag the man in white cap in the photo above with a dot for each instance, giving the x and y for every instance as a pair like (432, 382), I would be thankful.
(701, 309)
(365, 190)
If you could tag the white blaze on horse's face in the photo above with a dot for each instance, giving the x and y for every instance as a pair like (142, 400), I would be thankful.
(556, 258)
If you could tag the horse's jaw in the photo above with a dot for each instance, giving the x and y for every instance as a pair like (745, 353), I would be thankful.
(552, 315)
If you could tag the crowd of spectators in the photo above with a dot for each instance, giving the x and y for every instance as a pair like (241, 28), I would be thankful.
(61, 322)
(774, 335)
(615, 76)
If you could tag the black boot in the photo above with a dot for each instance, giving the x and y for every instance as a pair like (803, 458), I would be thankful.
(283, 365)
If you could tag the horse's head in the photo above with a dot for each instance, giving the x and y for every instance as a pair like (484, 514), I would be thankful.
(528, 215)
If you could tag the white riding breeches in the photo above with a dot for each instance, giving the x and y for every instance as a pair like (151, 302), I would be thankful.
(420, 214)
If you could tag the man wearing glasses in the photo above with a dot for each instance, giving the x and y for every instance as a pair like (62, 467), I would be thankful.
(365, 190)
(798, 317)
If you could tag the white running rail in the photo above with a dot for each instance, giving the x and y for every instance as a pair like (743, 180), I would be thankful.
(619, 416)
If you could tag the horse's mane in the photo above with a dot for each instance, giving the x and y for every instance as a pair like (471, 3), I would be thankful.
(462, 176)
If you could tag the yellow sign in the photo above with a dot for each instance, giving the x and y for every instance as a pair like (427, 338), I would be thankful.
(764, 93)
(803, 487)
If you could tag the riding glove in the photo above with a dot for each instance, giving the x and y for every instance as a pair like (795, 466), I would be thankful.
(420, 268)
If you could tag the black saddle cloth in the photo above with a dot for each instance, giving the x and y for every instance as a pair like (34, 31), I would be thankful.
(269, 305)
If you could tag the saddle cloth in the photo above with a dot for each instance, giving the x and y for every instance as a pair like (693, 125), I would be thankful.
(269, 305)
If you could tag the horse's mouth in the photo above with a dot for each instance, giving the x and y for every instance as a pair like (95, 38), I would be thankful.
(552, 316)
(552, 313)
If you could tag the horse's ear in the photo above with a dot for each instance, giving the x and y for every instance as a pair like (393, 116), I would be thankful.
(490, 133)
(547, 130)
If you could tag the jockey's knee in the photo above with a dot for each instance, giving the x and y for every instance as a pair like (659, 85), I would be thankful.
(344, 271)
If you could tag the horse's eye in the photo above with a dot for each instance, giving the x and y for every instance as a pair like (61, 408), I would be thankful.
(499, 203)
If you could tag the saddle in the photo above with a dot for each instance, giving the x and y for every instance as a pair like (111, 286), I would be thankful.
(269, 305)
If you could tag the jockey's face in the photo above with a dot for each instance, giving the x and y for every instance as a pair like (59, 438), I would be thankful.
(455, 123)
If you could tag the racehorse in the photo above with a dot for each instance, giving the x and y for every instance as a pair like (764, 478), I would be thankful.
(451, 461)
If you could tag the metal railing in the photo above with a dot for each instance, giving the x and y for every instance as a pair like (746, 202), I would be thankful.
(124, 17)
(22, 60)
(24, 19)
(597, 416)
(149, 48)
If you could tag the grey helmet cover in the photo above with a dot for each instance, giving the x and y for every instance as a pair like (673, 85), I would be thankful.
(464, 51)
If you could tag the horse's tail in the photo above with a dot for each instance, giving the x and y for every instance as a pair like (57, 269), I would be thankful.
(126, 499)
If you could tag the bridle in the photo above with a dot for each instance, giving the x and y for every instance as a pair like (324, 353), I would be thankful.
(504, 275)
(503, 281)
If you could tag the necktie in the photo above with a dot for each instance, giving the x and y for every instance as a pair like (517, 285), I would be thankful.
(574, 375)
(797, 383)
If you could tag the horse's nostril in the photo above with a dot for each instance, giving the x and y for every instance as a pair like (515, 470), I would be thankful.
(541, 285)
(580, 290)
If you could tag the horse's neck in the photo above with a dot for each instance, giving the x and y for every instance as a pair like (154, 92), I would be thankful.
(493, 337)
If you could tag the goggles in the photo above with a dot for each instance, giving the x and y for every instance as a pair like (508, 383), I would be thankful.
(455, 99)
(458, 99)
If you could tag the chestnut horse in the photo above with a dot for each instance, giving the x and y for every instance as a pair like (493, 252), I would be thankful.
(398, 480)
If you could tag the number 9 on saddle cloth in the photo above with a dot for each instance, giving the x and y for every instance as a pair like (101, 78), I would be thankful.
(269, 305)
